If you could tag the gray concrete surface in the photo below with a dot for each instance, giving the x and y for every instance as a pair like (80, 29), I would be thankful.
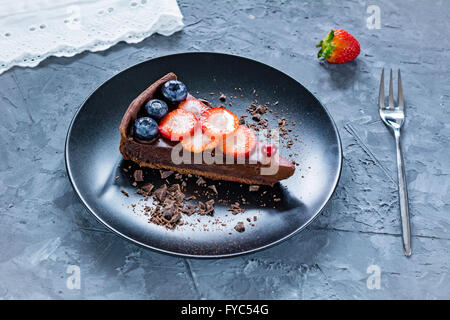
(44, 228)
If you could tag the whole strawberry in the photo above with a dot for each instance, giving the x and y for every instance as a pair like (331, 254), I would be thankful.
(338, 47)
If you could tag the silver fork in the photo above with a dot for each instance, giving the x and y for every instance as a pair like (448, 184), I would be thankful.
(394, 117)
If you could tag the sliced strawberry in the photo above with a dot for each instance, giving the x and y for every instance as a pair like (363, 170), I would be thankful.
(193, 105)
(269, 149)
(177, 124)
(219, 122)
(241, 143)
(199, 142)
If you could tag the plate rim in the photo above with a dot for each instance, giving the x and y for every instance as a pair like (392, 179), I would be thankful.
(200, 256)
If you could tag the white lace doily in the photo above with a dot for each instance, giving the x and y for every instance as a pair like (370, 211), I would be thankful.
(32, 30)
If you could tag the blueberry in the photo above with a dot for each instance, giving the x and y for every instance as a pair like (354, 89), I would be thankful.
(156, 109)
(174, 91)
(145, 129)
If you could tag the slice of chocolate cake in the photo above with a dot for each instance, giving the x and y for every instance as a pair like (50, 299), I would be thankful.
(166, 128)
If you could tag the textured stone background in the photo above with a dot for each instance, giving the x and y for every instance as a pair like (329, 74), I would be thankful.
(44, 228)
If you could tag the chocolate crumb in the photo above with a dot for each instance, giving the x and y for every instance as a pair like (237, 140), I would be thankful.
(261, 109)
(256, 117)
(222, 97)
(239, 227)
(205, 102)
(125, 193)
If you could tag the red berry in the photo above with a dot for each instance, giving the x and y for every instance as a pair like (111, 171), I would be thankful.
(241, 143)
(193, 105)
(177, 124)
(269, 149)
(338, 47)
(219, 122)
(199, 142)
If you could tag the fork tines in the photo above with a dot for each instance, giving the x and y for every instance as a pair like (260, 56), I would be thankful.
(400, 99)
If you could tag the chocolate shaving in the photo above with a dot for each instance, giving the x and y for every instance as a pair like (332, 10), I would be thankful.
(174, 188)
(178, 176)
(161, 192)
(235, 208)
(179, 196)
(189, 209)
(145, 190)
(209, 207)
(206, 208)
(213, 188)
(168, 209)
(166, 174)
(138, 176)
(176, 218)
(200, 181)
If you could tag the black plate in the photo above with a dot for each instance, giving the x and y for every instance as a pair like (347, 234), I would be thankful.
(93, 160)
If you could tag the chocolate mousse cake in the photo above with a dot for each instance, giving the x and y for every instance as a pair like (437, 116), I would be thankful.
(167, 128)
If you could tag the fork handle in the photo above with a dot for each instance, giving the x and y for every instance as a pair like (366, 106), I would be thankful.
(403, 195)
